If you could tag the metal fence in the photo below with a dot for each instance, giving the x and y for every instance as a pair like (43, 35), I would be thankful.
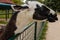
(31, 32)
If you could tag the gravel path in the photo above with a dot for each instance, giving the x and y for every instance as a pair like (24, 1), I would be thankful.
(53, 32)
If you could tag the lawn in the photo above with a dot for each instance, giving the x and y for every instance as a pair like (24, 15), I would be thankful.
(4, 16)
(3, 22)
(3, 19)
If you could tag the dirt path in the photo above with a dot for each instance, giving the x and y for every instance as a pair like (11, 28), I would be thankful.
(53, 32)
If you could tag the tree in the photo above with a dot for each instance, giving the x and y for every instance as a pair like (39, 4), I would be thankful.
(54, 4)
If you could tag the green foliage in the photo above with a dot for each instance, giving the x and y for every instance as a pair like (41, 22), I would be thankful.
(54, 4)
(42, 1)
(18, 2)
(4, 16)
(3, 22)
(43, 34)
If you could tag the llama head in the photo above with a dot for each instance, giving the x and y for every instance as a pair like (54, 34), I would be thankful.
(42, 12)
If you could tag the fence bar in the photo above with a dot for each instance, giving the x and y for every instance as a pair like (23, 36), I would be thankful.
(7, 14)
(35, 30)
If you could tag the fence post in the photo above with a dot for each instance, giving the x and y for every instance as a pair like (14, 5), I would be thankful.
(35, 31)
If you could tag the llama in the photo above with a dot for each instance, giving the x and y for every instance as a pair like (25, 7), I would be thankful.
(25, 14)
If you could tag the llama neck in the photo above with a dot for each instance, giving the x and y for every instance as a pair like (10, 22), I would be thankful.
(12, 23)
(23, 19)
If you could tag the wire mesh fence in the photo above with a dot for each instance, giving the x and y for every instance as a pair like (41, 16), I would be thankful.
(31, 32)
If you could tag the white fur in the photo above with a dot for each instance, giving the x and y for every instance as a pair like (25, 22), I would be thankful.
(32, 4)
(23, 18)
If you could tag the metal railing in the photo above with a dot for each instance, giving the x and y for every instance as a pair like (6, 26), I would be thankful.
(30, 32)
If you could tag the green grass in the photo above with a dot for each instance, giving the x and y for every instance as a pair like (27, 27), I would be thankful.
(3, 22)
(4, 16)
(3, 13)
(43, 34)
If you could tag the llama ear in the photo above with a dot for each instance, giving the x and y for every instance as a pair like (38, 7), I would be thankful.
(37, 6)
(21, 7)
(40, 8)
(18, 8)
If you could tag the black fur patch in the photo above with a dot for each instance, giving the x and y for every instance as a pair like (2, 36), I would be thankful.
(41, 13)
(55, 16)
(20, 7)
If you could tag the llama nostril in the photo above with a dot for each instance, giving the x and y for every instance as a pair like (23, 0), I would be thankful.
(56, 19)
(50, 19)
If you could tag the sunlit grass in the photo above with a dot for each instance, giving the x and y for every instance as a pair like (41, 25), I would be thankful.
(3, 22)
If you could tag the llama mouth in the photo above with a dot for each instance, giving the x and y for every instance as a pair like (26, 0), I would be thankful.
(51, 19)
